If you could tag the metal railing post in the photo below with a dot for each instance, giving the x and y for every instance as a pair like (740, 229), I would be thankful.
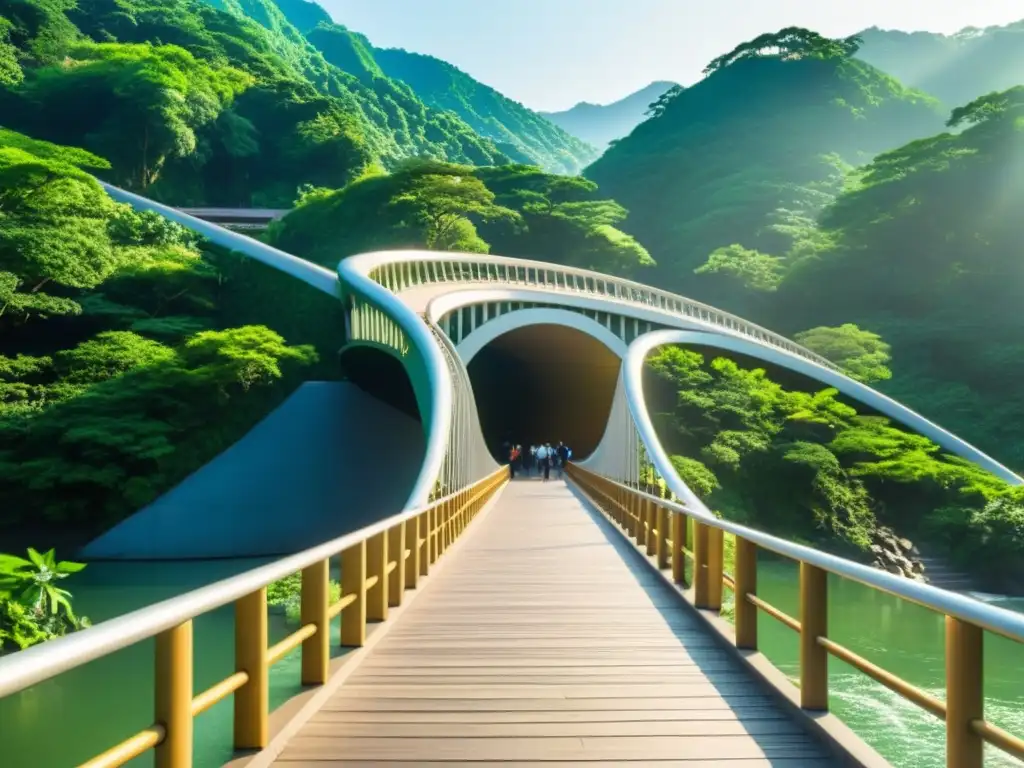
(315, 599)
(252, 700)
(813, 624)
(965, 701)
(173, 703)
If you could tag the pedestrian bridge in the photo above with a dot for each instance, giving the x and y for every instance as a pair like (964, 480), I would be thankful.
(577, 621)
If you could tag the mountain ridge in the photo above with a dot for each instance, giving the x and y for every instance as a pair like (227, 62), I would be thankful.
(600, 124)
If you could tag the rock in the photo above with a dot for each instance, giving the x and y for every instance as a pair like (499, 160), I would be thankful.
(918, 567)
(906, 544)
(893, 568)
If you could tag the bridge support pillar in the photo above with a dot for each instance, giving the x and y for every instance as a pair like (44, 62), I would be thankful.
(964, 694)
(700, 564)
(664, 535)
(650, 526)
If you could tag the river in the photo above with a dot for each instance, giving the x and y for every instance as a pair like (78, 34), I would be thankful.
(71, 718)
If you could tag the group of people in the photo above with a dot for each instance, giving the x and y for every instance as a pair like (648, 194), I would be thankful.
(542, 458)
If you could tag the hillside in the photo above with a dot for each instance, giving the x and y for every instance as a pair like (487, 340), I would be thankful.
(519, 132)
(953, 68)
(601, 124)
(757, 146)
(924, 248)
(221, 109)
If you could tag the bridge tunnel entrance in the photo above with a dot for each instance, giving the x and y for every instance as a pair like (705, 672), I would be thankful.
(544, 383)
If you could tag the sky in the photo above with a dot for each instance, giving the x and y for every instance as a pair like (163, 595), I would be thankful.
(552, 54)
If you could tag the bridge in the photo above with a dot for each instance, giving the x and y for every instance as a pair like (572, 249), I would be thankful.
(497, 620)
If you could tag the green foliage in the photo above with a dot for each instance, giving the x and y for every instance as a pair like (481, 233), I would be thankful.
(788, 44)
(721, 177)
(520, 133)
(286, 595)
(513, 210)
(33, 608)
(224, 103)
(753, 269)
(923, 248)
(133, 357)
(807, 465)
(862, 354)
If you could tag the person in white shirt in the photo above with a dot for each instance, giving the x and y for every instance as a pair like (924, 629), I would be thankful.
(542, 460)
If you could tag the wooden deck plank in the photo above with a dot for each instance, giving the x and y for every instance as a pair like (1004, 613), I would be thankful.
(546, 642)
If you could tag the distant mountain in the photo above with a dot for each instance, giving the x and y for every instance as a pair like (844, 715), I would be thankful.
(749, 151)
(954, 68)
(601, 124)
(518, 132)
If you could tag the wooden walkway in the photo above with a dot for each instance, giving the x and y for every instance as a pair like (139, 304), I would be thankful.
(547, 640)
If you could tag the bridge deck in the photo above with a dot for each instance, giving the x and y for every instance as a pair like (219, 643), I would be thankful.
(545, 639)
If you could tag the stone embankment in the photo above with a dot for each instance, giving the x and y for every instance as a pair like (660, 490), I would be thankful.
(897, 555)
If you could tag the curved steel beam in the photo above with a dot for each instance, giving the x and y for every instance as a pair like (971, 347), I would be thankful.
(640, 348)
(1007, 623)
(312, 274)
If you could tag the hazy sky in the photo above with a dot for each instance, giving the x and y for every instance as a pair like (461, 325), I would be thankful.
(550, 54)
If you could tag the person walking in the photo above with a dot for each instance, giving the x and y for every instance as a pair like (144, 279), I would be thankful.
(542, 460)
(563, 456)
(513, 461)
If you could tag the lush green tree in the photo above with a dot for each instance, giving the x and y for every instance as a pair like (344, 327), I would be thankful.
(862, 354)
(789, 43)
(753, 269)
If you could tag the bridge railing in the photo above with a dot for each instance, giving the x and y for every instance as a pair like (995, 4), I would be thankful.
(378, 564)
(676, 535)
(641, 491)
(401, 270)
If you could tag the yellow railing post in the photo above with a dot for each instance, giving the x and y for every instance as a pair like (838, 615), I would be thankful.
(650, 526)
(664, 535)
(353, 582)
(396, 552)
(412, 565)
(377, 569)
(678, 546)
(315, 599)
(746, 584)
(252, 700)
(173, 704)
(700, 564)
(636, 510)
(964, 693)
(423, 525)
(813, 624)
(716, 563)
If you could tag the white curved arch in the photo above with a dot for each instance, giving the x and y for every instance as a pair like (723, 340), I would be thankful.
(999, 620)
(312, 274)
(470, 346)
(640, 348)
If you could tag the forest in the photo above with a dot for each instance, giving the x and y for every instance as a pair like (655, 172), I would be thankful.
(795, 184)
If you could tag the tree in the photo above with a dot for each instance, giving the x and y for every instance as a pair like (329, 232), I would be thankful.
(657, 108)
(751, 268)
(862, 354)
(438, 202)
(788, 43)
(136, 105)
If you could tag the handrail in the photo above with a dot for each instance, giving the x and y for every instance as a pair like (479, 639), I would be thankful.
(660, 526)
(312, 274)
(400, 270)
(379, 562)
(998, 620)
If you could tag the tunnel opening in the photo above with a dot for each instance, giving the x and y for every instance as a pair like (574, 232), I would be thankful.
(544, 383)
(381, 375)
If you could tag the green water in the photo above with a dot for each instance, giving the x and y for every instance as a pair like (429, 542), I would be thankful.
(69, 719)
